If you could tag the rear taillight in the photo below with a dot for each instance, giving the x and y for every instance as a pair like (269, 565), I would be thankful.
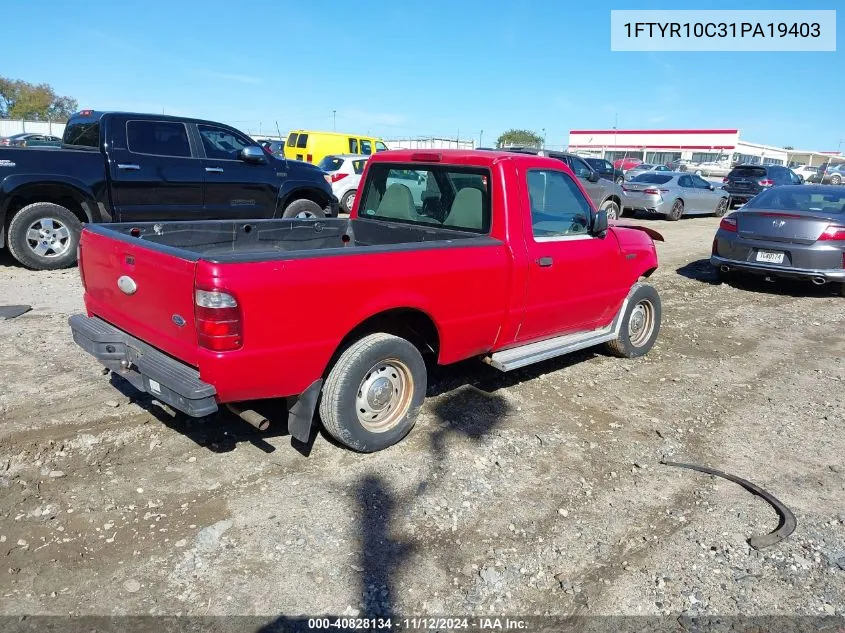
(338, 176)
(833, 233)
(725, 179)
(218, 320)
(766, 182)
(79, 265)
(309, 158)
(728, 224)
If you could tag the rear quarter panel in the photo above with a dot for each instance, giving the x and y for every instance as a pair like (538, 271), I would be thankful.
(297, 311)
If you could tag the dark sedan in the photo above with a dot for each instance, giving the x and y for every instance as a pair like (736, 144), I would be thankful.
(30, 140)
(788, 231)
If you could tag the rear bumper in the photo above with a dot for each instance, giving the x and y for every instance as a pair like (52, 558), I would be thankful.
(778, 271)
(740, 196)
(145, 367)
(650, 203)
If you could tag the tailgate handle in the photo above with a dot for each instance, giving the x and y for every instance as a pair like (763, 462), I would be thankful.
(214, 170)
(132, 166)
(545, 262)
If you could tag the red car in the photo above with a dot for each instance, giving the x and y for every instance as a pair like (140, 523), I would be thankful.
(492, 255)
(627, 163)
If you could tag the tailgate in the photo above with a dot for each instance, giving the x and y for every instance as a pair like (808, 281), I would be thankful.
(156, 302)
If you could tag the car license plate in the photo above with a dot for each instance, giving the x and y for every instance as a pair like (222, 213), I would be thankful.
(769, 257)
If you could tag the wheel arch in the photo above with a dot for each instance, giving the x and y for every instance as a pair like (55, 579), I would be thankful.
(73, 196)
(313, 194)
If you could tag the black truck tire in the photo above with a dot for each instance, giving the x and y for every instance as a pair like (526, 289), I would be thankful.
(374, 392)
(640, 324)
(303, 208)
(44, 236)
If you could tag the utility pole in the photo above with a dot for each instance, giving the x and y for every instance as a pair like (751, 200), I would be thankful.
(544, 139)
(334, 120)
(480, 137)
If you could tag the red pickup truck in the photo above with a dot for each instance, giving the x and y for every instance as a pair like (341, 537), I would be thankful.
(447, 255)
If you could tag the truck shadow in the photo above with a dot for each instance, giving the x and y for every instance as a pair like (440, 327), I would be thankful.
(701, 270)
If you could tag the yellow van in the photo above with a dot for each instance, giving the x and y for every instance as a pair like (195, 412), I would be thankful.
(312, 146)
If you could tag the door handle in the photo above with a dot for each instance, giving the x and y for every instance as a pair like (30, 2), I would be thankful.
(131, 166)
(545, 262)
(214, 170)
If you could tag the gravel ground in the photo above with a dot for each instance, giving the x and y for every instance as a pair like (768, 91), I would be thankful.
(535, 492)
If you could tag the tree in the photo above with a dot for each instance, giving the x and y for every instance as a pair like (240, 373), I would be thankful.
(788, 147)
(34, 102)
(525, 138)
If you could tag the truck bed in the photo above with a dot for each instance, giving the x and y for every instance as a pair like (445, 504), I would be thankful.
(225, 241)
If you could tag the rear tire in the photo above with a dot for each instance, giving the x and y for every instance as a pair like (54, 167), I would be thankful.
(612, 210)
(836, 179)
(374, 392)
(44, 236)
(722, 208)
(347, 201)
(640, 324)
(304, 209)
(677, 211)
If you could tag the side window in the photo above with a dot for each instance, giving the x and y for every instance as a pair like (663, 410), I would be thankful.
(366, 147)
(794, 177)
(159, 138)
(558, 208)
(579, 167)
(700, 183)
(381, 147)
(353, 145)
(685, 181)
(302, 141)
(292, 139)
(358, 166)
(220, 143)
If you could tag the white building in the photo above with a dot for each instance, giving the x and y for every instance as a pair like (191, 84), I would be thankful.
(430, 143)
(664, 146)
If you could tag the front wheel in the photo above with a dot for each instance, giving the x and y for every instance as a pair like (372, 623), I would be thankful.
(374, 392)
(44, 236)
(347, 201)
(612, 210)
(640, 324)
(619, 180)
(304, 210)
(722, 208)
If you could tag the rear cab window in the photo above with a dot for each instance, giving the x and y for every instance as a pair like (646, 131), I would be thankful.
(558, 208)
(450, 197)
(82, 133)
(158, 138)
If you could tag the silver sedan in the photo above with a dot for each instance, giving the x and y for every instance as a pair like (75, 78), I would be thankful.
(644, 168)
(674, 195)
(788, 231)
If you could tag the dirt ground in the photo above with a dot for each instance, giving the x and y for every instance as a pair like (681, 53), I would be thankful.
(534, 492)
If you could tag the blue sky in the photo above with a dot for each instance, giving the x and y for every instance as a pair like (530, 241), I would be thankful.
(432, 67)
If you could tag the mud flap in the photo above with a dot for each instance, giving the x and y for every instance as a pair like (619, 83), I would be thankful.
(301, 411)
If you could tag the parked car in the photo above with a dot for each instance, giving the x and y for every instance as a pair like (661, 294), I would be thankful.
(789, 231)
(673, 194)
(521, 268)
(713, 168)
(345, 173)
(137, 167)
(681, 164)
(746, 181)
(28, 139)
(806, 173)
(626, 163)
(606, 170)
(831, 173)
(605, 195)
(643, 168)
(312, 146)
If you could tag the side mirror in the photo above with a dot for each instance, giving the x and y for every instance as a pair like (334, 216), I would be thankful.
(600, 224)
(252, 154)
(593, 177)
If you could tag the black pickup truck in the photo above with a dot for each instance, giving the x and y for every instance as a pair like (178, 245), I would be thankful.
(123, 167)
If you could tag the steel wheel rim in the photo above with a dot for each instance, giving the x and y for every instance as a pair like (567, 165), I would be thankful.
(641, 323)
(48, 237)
(384, 395)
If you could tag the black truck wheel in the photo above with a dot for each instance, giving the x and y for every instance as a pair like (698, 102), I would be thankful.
(640, 324)
(44, 236)
(303, 209)
(374, 392)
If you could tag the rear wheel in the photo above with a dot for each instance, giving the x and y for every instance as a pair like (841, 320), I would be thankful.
(722, 208)
(304, 209)
(374, 392)
(44, 236)
(640, 324)
(347, 201)
(836, 179)
(677, 211)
